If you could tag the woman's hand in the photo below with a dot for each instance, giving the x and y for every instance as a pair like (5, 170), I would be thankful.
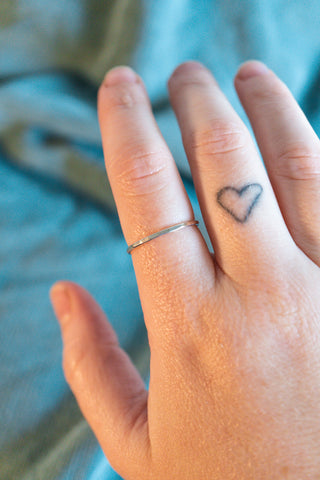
(235, 348)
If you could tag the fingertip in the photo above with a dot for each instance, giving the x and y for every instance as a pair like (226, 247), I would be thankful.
(65, 297)
(121, 87)
(60, 299)
(185, 68)
(120, 74)
(251, 68)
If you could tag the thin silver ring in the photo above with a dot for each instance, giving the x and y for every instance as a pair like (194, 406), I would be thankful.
(172, 228)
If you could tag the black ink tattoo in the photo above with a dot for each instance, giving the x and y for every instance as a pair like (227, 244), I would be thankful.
(240, 202)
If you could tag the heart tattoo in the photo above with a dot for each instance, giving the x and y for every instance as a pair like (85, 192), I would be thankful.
(240, 202)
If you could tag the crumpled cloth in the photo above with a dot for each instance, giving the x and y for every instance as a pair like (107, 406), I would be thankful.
(57, 214)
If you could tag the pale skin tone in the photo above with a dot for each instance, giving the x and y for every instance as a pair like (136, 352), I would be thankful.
(234, 336)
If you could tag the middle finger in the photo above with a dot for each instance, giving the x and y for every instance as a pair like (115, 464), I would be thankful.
(239, 207)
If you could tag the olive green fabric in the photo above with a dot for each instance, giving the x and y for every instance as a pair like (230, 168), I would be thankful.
(50, 54)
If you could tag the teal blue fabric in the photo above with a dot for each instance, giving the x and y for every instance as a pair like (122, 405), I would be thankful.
(57, 214)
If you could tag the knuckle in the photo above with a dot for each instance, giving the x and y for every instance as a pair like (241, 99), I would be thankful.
(78, 357)
(142, 173)
(219, 138)
(298, 162)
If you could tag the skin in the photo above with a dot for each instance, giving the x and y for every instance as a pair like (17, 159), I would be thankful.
(234, 337)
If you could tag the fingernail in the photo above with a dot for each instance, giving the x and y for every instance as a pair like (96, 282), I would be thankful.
(250, 69)
(119, 75)
(60, 299)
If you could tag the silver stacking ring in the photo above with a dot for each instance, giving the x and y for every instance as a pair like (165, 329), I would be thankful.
(172, 228)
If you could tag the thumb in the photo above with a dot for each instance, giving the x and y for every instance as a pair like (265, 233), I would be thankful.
(108, 388)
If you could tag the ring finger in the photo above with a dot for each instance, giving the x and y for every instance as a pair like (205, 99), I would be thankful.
(290, 148)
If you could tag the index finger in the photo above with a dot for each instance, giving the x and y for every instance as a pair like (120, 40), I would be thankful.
(150, 196)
